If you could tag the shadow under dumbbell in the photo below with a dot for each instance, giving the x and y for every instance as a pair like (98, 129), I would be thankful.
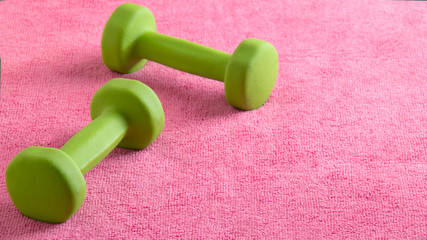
(84, 72)
(177, 90)
(87, 68)
(190, 94)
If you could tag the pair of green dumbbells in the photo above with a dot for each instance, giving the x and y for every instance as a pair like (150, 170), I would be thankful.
(47, 184)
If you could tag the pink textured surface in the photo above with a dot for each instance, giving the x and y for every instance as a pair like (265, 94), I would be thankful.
(338, 151)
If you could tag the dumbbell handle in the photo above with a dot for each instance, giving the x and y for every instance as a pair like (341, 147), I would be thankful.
(183, 55)
(95, 141)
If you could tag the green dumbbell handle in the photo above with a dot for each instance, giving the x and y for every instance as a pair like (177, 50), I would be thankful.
(95, 141)
(183, 55)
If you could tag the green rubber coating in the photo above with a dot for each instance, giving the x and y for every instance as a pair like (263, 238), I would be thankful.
(251, 74)
(130, 38)
(138, 104)
(183, 55)
(47, 184)
(127, 23)
(106, 131)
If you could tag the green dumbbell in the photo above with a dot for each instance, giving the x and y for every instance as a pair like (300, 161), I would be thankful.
(249, 74)
(47, 184)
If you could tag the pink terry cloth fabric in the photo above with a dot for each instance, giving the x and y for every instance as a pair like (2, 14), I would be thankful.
(337, 152)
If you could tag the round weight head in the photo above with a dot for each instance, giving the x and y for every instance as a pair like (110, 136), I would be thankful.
(138, 104)
(251, 74)
(45, 184)
(127, 23)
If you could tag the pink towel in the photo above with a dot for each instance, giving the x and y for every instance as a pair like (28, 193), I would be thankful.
(337, 152)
